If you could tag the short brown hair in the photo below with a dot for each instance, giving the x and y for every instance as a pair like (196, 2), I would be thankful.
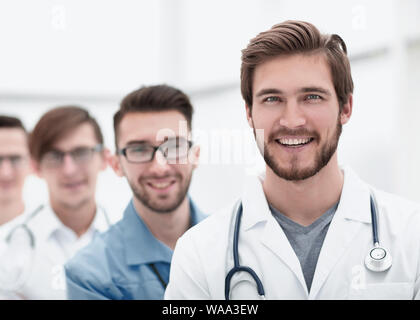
(11, 122)
(297, 37)
(56, 123)
(156, 98)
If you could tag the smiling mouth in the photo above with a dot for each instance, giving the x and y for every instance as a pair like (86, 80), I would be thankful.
(73, 185)
(161, 185)
(294, 142)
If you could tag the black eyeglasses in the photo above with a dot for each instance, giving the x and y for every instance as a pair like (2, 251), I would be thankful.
(80, 156)
(172, 149)
(16, 161)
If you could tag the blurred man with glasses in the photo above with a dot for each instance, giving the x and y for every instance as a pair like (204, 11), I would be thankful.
(156, 156)
(14, 168)
(67, 150)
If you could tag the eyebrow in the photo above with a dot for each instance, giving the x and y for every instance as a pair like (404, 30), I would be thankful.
(54, 149)
(264, 92)
(135, 142)
(315, 89)
(267, 91)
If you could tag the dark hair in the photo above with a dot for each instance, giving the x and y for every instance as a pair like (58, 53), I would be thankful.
(157, 98)
(11, 122)
(55, 124)
(297, 37)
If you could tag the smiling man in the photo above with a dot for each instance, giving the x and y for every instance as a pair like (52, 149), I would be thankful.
(156, 156)
(14, 168)
(66, 146)
(307, 228)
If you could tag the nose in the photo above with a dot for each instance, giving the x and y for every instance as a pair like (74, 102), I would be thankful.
(159, 165)
(69, 167)
(292, 117)
(6, 168)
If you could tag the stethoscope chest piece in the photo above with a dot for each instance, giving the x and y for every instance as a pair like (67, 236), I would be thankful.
(378, 259)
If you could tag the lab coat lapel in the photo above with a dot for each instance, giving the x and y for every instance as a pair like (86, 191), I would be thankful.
(352, 212)
(272, 236)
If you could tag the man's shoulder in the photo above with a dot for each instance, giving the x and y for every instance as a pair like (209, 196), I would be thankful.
(212, 228)
(397, 207)
(392, 205)
(96, 258)
(91, 273)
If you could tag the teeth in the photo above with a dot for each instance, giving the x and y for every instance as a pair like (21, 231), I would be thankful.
(161, 185)
(291, 142)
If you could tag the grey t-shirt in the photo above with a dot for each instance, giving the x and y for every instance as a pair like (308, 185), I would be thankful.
(306, 241)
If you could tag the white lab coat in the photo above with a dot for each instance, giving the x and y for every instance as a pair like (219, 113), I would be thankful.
(55, 244)
(5, 230)
(203, 255)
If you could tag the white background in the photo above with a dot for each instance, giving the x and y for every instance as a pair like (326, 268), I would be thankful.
(92, 53)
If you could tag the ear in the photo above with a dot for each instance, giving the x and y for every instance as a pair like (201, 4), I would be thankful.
(194, 156)
(106, 155)
(35, 167)
(31, 166)
(249, 115)
(114, 162)
(347, 109)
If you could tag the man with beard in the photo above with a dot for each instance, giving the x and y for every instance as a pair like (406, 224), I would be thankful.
(67, 152)
(307, 228)
(154, 152)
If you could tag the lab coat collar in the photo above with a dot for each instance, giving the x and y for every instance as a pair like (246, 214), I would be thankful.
(7, 227)
(355, 198)
(254, 203)
(256, 211)
(46, 223)
(141, 246)
(353, 210)
(354, 201)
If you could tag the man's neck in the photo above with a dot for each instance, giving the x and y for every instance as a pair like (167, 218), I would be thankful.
(166, 227)
(78, 217)
(305, 201)
(10, 209)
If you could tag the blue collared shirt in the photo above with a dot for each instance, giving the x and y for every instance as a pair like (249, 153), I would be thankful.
(118, 263)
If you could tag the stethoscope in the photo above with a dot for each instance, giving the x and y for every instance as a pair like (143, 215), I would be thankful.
(20, 266)
(26, 229)
(28, 233)
(377, 260)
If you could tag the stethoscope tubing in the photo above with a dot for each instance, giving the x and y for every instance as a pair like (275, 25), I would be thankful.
(237, 267)
(32, 242)
(24, 224)
(374, 215)
(260, 288)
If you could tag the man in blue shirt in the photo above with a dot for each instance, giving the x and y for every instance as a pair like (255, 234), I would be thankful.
(155, 154)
